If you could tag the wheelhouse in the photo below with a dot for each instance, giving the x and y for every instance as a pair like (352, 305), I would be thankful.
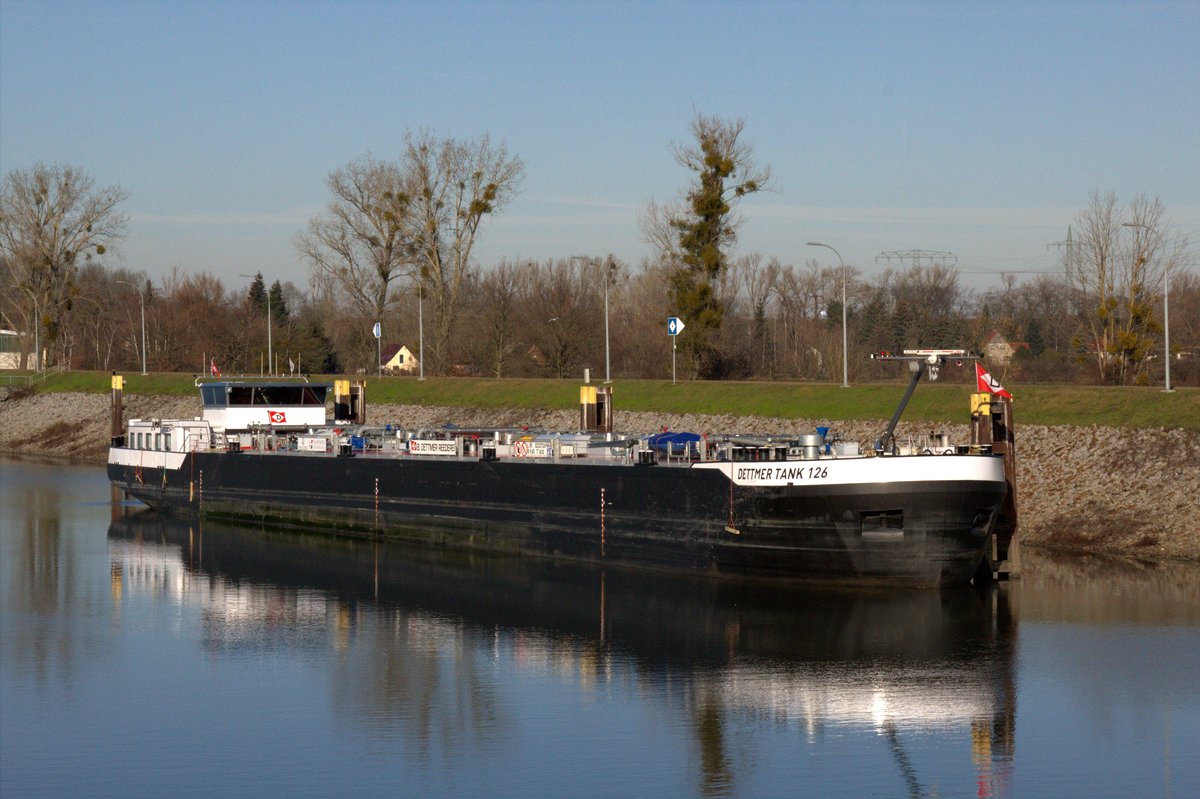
(233, 405)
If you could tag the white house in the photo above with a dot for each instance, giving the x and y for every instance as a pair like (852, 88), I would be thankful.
(10, 351)
(399, 359)
(999, 350)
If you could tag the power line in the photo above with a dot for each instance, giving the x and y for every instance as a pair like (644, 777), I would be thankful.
(1068, 244)
(934, 257)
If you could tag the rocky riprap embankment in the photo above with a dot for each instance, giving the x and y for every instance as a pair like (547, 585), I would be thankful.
(1096, 489)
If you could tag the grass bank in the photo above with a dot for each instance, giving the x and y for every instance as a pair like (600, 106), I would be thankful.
(1134, 407)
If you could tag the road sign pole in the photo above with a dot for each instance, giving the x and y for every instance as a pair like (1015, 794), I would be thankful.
(675, 326)
(377, 330)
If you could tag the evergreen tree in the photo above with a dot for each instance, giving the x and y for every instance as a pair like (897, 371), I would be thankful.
(315, 351)
(901, 326)
(257, 296)
(724, 173)
(279, 309)
(1034, 337)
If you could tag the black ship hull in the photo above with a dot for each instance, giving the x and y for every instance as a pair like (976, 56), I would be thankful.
(908, 532)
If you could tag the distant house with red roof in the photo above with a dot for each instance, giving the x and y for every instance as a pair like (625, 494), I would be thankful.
(999, 350)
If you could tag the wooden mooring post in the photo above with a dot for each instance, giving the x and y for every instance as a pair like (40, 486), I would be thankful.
(992, 426)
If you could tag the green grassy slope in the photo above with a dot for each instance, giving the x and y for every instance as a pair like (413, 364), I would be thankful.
(936, 402)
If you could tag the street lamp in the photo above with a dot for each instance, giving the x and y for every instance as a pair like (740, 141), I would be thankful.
(845, 355)
(270, 364)
(142, 301)
(421, 326)
(37, 336)
(1166, 317)
(608, 266)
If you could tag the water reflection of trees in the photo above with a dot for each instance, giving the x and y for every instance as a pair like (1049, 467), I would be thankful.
(47, 595)
(416, 638)
(421, 675)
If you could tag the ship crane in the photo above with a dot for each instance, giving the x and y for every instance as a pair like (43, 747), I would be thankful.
(920, 361)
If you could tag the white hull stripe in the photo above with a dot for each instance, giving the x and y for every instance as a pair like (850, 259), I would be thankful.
(146, 458)
(851, 471)
(839, 471)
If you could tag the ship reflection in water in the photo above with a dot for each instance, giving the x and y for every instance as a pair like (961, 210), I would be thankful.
(462, 653)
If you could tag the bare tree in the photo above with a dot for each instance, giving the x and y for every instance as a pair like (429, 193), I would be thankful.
(758, 285)
(363, 243)
(935, 305)
(658, 230)
(639, 308)
(1047, 299)
(91, 325)
(564, 295)
(195, 318)
(52, 218)
(499, 292)
(1117, 269)
(1185, 312)
(453, 186)
(802, 300)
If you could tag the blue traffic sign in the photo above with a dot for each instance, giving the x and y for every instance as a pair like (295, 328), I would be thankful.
(675, 326)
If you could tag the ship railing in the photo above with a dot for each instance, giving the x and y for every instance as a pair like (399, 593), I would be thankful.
(202, 379)
(193, 442)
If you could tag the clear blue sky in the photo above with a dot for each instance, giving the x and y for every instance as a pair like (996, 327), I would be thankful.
(978, 128)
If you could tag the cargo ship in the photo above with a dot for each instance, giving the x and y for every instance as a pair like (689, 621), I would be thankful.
(805, 509)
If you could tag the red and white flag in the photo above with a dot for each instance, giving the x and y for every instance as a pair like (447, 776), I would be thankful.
(985, 382)
(212, 367)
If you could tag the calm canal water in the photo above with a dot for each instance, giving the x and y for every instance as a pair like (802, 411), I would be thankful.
(143, 656)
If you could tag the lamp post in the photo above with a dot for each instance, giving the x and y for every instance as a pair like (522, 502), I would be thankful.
(421, 326)
(845, 355)
(1166, 317)
(270, 365)
(1167, 333)
(37, 336)
(142, 302)
(607, 362)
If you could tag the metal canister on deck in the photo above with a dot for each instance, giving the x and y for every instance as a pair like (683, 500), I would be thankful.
(810, 445)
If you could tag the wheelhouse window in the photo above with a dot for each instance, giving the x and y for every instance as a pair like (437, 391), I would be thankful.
(214, 396)
(241, 395)
(277, 396)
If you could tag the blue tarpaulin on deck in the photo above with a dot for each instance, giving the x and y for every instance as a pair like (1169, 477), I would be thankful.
(677, 443)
